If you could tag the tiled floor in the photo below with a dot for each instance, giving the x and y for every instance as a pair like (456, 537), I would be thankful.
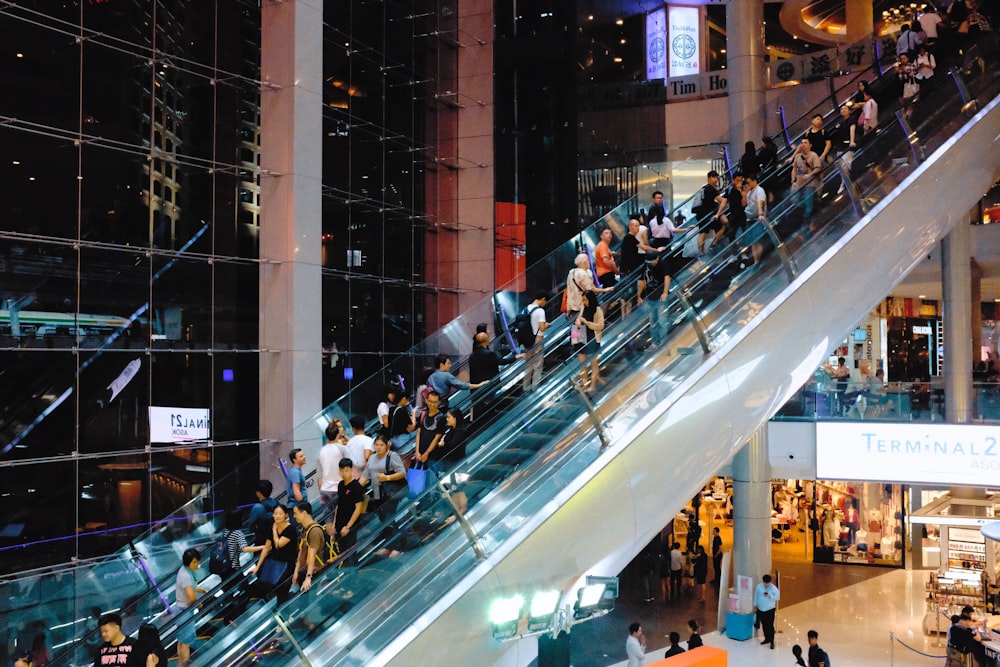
(854, 625)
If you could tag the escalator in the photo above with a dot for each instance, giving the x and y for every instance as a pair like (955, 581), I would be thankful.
(565, 484)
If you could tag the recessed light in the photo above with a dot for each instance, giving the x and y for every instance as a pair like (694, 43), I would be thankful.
(921, 296)
(20, 55)
(620, 22)
(590, 17)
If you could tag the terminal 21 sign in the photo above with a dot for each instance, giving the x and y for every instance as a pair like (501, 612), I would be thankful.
(941, 454)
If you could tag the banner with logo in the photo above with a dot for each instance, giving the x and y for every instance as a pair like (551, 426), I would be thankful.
(684, 41)
(656, 45)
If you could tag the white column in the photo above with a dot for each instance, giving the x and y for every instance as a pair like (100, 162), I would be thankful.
(752, 508)
(290, 229)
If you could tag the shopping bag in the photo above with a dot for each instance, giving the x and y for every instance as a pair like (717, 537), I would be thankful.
(416, 478)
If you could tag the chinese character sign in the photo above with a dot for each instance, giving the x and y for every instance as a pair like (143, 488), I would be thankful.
(684, 41)
(656, 45)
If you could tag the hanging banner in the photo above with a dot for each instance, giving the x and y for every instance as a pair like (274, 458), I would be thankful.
(684, 40)
(656, 45)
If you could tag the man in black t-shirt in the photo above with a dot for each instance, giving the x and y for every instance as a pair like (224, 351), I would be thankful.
(709, 210)
(349, 495)
(117, 648)
(735, 218)
(633, 255)
(817, 656)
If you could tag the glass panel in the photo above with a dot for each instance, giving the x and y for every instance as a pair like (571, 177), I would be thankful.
(38, 188)
(113, 395)
(114, 291)
(182, 302)
(39, 406)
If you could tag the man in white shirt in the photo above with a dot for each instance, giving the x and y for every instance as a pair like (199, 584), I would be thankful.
(929, 21)
(534, 355)
(327, 474)
(359, 447)
(635, 646)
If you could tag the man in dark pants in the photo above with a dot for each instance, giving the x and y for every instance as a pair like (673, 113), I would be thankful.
(765, 601)
(716, 555)
(676, 568)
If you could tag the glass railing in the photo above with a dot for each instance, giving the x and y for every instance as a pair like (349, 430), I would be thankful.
(823, 399)
(520, 462)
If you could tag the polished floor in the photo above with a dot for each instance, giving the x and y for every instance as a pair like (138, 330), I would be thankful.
(873, 622)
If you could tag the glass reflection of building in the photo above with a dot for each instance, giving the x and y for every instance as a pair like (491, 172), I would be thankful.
(130, 211)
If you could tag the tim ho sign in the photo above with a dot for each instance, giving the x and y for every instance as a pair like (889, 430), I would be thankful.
(708, 84)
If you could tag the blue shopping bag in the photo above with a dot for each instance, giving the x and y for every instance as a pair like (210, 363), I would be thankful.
(416, 478)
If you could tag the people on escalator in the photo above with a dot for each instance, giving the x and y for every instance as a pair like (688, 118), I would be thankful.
(843, 136)
(260, 514)
(401, 422)
(735, 219)
(749, 161)
(484, 363)
(274, 565)
(451, 448)
(604, 261)
(818, 138)
(185, 595)
(328, 460)
(360, 446)
(350, 498)
(534, 353)
(755, 211)
(694, 641)
(23, 659)
(675, 647)
(706, 207)
(297, 487)
(444, 382)
(390, 394)
(633, 256)
(663, 230)
(386, 474)
(430, 427)
(312, 539)
(767, 156)
(868, 120)
(149, 651)
(117, 647)
(805, 175)
(585, 338)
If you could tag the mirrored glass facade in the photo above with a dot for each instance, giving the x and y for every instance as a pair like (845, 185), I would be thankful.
(128, 262)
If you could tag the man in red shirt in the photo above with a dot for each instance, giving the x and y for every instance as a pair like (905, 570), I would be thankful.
(607, 270)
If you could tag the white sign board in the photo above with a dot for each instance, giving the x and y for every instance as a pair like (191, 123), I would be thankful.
(179, 424)
(940, 454)
(684, 41)
(656, 45)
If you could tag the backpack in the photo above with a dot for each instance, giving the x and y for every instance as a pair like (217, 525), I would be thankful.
(524, 333)
(327, 553)
(218, 560)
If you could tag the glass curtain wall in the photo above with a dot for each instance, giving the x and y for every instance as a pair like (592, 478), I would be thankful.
(380, 64)
(129, 204)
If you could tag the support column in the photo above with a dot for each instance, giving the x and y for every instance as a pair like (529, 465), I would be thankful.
(290, 231)
(745, 62)
(976, 273)
(860, 19)
(752, 508)
(956, 279)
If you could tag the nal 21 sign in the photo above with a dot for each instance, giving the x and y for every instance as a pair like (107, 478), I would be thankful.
(179, 424)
